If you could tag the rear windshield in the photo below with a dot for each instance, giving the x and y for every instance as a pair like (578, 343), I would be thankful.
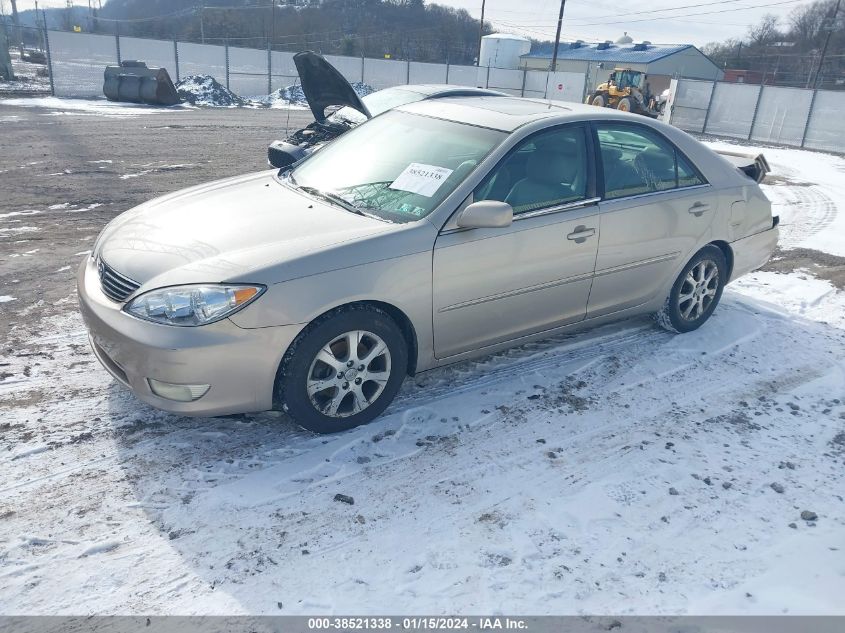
(377, 102)
(398, 166)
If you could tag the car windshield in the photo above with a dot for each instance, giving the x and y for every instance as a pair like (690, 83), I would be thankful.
(397, 167)
(377, 102)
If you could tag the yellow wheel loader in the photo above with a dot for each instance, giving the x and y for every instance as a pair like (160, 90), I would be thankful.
(625, 90)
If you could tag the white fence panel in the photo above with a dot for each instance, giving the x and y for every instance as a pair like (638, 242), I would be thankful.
(349, 67)
(536, 82)
(466, 76)
(732, 110)
(283, 70)
(782, 115)
(688, 103)
(566, 86)
(506, 80)
(156, 53)
(826, 129)
(384, 73)
(247, 71)
(424, 73)
(202, 59)
(79, 61)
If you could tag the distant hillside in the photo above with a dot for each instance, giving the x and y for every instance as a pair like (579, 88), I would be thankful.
(374, 28)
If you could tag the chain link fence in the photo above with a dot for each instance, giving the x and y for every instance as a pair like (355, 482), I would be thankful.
(75, 63)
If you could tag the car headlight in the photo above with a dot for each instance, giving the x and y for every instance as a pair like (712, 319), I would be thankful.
(192, 305)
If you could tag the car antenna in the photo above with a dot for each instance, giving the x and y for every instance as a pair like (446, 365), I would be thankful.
(287, 122)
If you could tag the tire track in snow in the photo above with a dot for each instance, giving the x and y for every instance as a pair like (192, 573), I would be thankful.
(812, 209)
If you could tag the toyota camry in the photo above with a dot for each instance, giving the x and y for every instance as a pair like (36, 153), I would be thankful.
(435, 232)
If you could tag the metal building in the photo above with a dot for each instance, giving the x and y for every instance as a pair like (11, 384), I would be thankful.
(659, 62)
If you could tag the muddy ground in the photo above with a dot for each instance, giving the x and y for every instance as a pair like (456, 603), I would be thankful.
(90, 169)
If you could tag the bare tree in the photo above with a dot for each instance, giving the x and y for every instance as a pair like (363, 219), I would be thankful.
(765, 31)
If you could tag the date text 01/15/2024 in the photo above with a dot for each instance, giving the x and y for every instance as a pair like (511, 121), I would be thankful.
(439, 623)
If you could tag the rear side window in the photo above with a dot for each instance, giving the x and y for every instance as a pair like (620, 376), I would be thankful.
(637, 161)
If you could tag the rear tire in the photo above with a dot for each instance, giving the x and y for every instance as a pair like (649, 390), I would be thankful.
(343, 370)
(695, 293)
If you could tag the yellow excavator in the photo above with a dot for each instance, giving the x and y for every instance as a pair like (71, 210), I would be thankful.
(625, 90)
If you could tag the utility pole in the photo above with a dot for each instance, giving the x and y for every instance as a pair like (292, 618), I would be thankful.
(272, 24)
(557, 35)
(202, 25)
(480, 34)
(829, 26)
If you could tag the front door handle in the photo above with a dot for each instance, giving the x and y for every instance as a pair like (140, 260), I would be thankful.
(698, 208)
(580, 234)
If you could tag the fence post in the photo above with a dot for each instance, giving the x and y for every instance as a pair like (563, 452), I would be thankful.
(362, 68)
(226, 49)
(408, 72)
(524, 75)
(49, 58)
(487, 80)
(117, 41)
(447, 71)
(809, 116)
(269, 67)
(176, 58)
(709, 105)
(756, 108)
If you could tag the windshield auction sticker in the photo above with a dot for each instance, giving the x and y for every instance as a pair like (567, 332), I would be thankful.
(422, 179)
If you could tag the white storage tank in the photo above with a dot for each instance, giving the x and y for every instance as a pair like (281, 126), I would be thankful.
(501, 50)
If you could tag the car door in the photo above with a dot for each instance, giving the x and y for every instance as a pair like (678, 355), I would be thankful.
(655, 208)
(494, 285)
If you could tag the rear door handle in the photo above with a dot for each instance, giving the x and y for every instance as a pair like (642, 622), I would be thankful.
(580, 234)
(698, 208)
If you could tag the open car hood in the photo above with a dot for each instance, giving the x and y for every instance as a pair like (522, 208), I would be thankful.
(324, 86)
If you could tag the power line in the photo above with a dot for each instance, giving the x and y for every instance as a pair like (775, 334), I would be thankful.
(684, 15)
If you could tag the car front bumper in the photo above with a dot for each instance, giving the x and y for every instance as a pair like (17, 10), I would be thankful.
(239, 364)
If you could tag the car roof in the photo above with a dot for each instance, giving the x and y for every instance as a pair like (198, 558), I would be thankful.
(509, 113)
(432, 91)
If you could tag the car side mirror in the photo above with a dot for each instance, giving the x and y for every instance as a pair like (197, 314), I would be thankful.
(281, 154)
(486, 214)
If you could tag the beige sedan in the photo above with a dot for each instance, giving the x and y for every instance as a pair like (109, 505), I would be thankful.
(435, 232)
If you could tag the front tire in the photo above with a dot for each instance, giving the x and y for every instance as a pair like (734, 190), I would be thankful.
(626, 104)
(343, 370)
(696, 292)
(599, 100)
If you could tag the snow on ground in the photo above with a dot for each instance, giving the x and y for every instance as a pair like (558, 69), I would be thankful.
(805, 188)
(293, 96)
(620, 470)
(205, 90)
(87, 107)
(29, 76)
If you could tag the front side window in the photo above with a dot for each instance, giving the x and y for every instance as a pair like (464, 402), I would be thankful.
(637, 161)
(546, 170)
(398, 166)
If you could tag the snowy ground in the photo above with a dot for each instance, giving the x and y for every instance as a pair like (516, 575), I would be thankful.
(27, 77)
(622, 470)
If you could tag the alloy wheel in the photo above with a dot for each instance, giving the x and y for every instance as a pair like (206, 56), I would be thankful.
(348, 374)
(698, 290)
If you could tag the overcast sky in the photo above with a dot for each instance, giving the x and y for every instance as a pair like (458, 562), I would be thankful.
(596, 20)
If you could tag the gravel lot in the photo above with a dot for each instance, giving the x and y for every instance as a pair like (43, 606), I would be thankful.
(79, 170)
